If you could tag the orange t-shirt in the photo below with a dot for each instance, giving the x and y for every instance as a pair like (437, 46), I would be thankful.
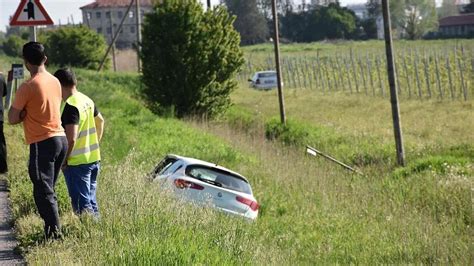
(40, 96)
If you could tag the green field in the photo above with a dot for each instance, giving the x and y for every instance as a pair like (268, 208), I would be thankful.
(312, 211)
(425, 69)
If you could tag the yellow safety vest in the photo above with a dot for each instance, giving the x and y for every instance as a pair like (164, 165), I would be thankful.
(86, 149)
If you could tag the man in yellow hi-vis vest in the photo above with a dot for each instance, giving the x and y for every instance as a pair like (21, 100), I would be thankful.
(83, 125)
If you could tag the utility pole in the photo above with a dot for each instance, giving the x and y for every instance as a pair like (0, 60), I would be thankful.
(139, 33)
(208, 4)
(276, 42)
(112, 37)
(397, 128)
(117, 32)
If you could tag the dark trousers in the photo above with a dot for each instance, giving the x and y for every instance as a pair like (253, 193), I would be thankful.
(3, 151)
(46, 158)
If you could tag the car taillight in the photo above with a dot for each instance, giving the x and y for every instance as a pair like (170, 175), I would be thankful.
(257, 81)
(182, 184)
(252, 204)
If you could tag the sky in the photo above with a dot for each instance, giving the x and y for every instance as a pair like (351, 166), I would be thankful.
(61, 11)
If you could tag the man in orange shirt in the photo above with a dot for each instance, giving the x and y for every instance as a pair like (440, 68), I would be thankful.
(37, 104)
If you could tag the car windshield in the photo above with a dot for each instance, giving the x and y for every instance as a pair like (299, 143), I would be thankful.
(219, 178)
(267, 75)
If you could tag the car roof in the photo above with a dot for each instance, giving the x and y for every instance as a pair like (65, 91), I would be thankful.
(189, 161)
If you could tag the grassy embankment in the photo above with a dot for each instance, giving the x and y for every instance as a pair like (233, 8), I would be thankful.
(312, 211)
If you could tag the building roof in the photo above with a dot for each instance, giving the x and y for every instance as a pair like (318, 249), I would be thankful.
(115, 3)
(466, 19)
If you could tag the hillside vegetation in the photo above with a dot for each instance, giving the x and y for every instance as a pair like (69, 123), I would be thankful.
(312, 211)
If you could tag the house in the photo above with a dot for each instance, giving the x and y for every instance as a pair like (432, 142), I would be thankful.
(104, 16)
(457, 26)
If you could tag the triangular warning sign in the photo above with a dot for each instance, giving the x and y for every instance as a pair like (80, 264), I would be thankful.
(30, 13)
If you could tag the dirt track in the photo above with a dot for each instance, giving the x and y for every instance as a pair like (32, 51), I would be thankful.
(7, 238)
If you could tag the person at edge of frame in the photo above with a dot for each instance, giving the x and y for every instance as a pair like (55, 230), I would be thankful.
(3, 144)
(37, 105)
(84, 126)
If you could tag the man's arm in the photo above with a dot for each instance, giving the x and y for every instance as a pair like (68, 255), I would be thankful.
(3, 85)
(71, 136)
(17, 111)
(16, 116)
(99, 125)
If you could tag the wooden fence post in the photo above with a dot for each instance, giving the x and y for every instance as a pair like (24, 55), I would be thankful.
(363, 74)
(369, 66)
(346, 63)
(450, 79)
(326, 71)
(415, 64)
(464, 89)
(321, 74)
(438, 80)
(382, 87)
(354, 71)
(427, 75)
(340, 73)
(407, 75)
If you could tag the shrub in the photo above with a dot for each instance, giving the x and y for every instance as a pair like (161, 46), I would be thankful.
(190, 58)
(13, 46)
(292, 133)
(75, 46)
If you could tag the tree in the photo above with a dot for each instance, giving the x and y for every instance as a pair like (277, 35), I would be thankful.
(190, 58)
(295, 27)
(283, 7)
(13, 46)
(250, 23)
(448, 8)
(338, 22)
(318, 23)
(374, 8)
(413, 18)
(369, 24)
(74, 46)
(419, 18)
(469, 8)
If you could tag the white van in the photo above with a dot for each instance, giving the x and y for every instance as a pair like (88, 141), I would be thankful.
(264, 80)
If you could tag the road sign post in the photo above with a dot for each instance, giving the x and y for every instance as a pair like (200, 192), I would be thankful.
(33, 33)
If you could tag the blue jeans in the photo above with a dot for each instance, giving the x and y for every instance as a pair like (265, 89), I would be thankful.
(81, 181)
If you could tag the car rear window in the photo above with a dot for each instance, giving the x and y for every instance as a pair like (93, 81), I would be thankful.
(219, 178)
(166, 166)
(266, 75)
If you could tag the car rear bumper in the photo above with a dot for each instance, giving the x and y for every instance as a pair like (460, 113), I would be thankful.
(249, 214)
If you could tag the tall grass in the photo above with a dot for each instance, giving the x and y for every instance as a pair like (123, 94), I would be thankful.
(357, 128)
(312, 211)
